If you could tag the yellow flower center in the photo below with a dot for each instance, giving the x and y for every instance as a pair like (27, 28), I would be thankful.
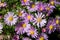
(31, 32)
(25, 0)
(24, 25)
(48, 8)
(20, 14)
(41, 38)
(51, 27)
(10, 18)
(41, 8)
(29, 17)
(33, 5)
(39, 19)
(57, 21)
(52, 2)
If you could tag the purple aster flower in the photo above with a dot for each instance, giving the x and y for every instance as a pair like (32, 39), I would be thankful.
(32, 7)
(57, 21)
(39, 20)
(2, 4)
(15, 37)
(51, 26)
(25, 2)
(41, 7)
(21, 13)
(54, 2)
(28, 17)
(26, 38)
(49, 8)
(32, 32)
(22, 27)
(42, 36)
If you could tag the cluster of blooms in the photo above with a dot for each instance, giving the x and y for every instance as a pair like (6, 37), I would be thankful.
(38, 20)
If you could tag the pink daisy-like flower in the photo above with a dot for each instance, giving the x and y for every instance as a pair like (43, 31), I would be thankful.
(10, 18)
(32, 32)
(39, 20)
(25, 2)
(22, 27)
(42, 36)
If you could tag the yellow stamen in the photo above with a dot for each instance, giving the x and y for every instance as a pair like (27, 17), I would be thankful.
(51, 27)
(57, 21)
(24, 25)
(10, 18)
(33, 5)
(41, 38)
(52, 2)
(20, 14)
(48, 8)
(29, 17)
(41, 8)
(31, 32)
(25, 0)
(39, 19)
